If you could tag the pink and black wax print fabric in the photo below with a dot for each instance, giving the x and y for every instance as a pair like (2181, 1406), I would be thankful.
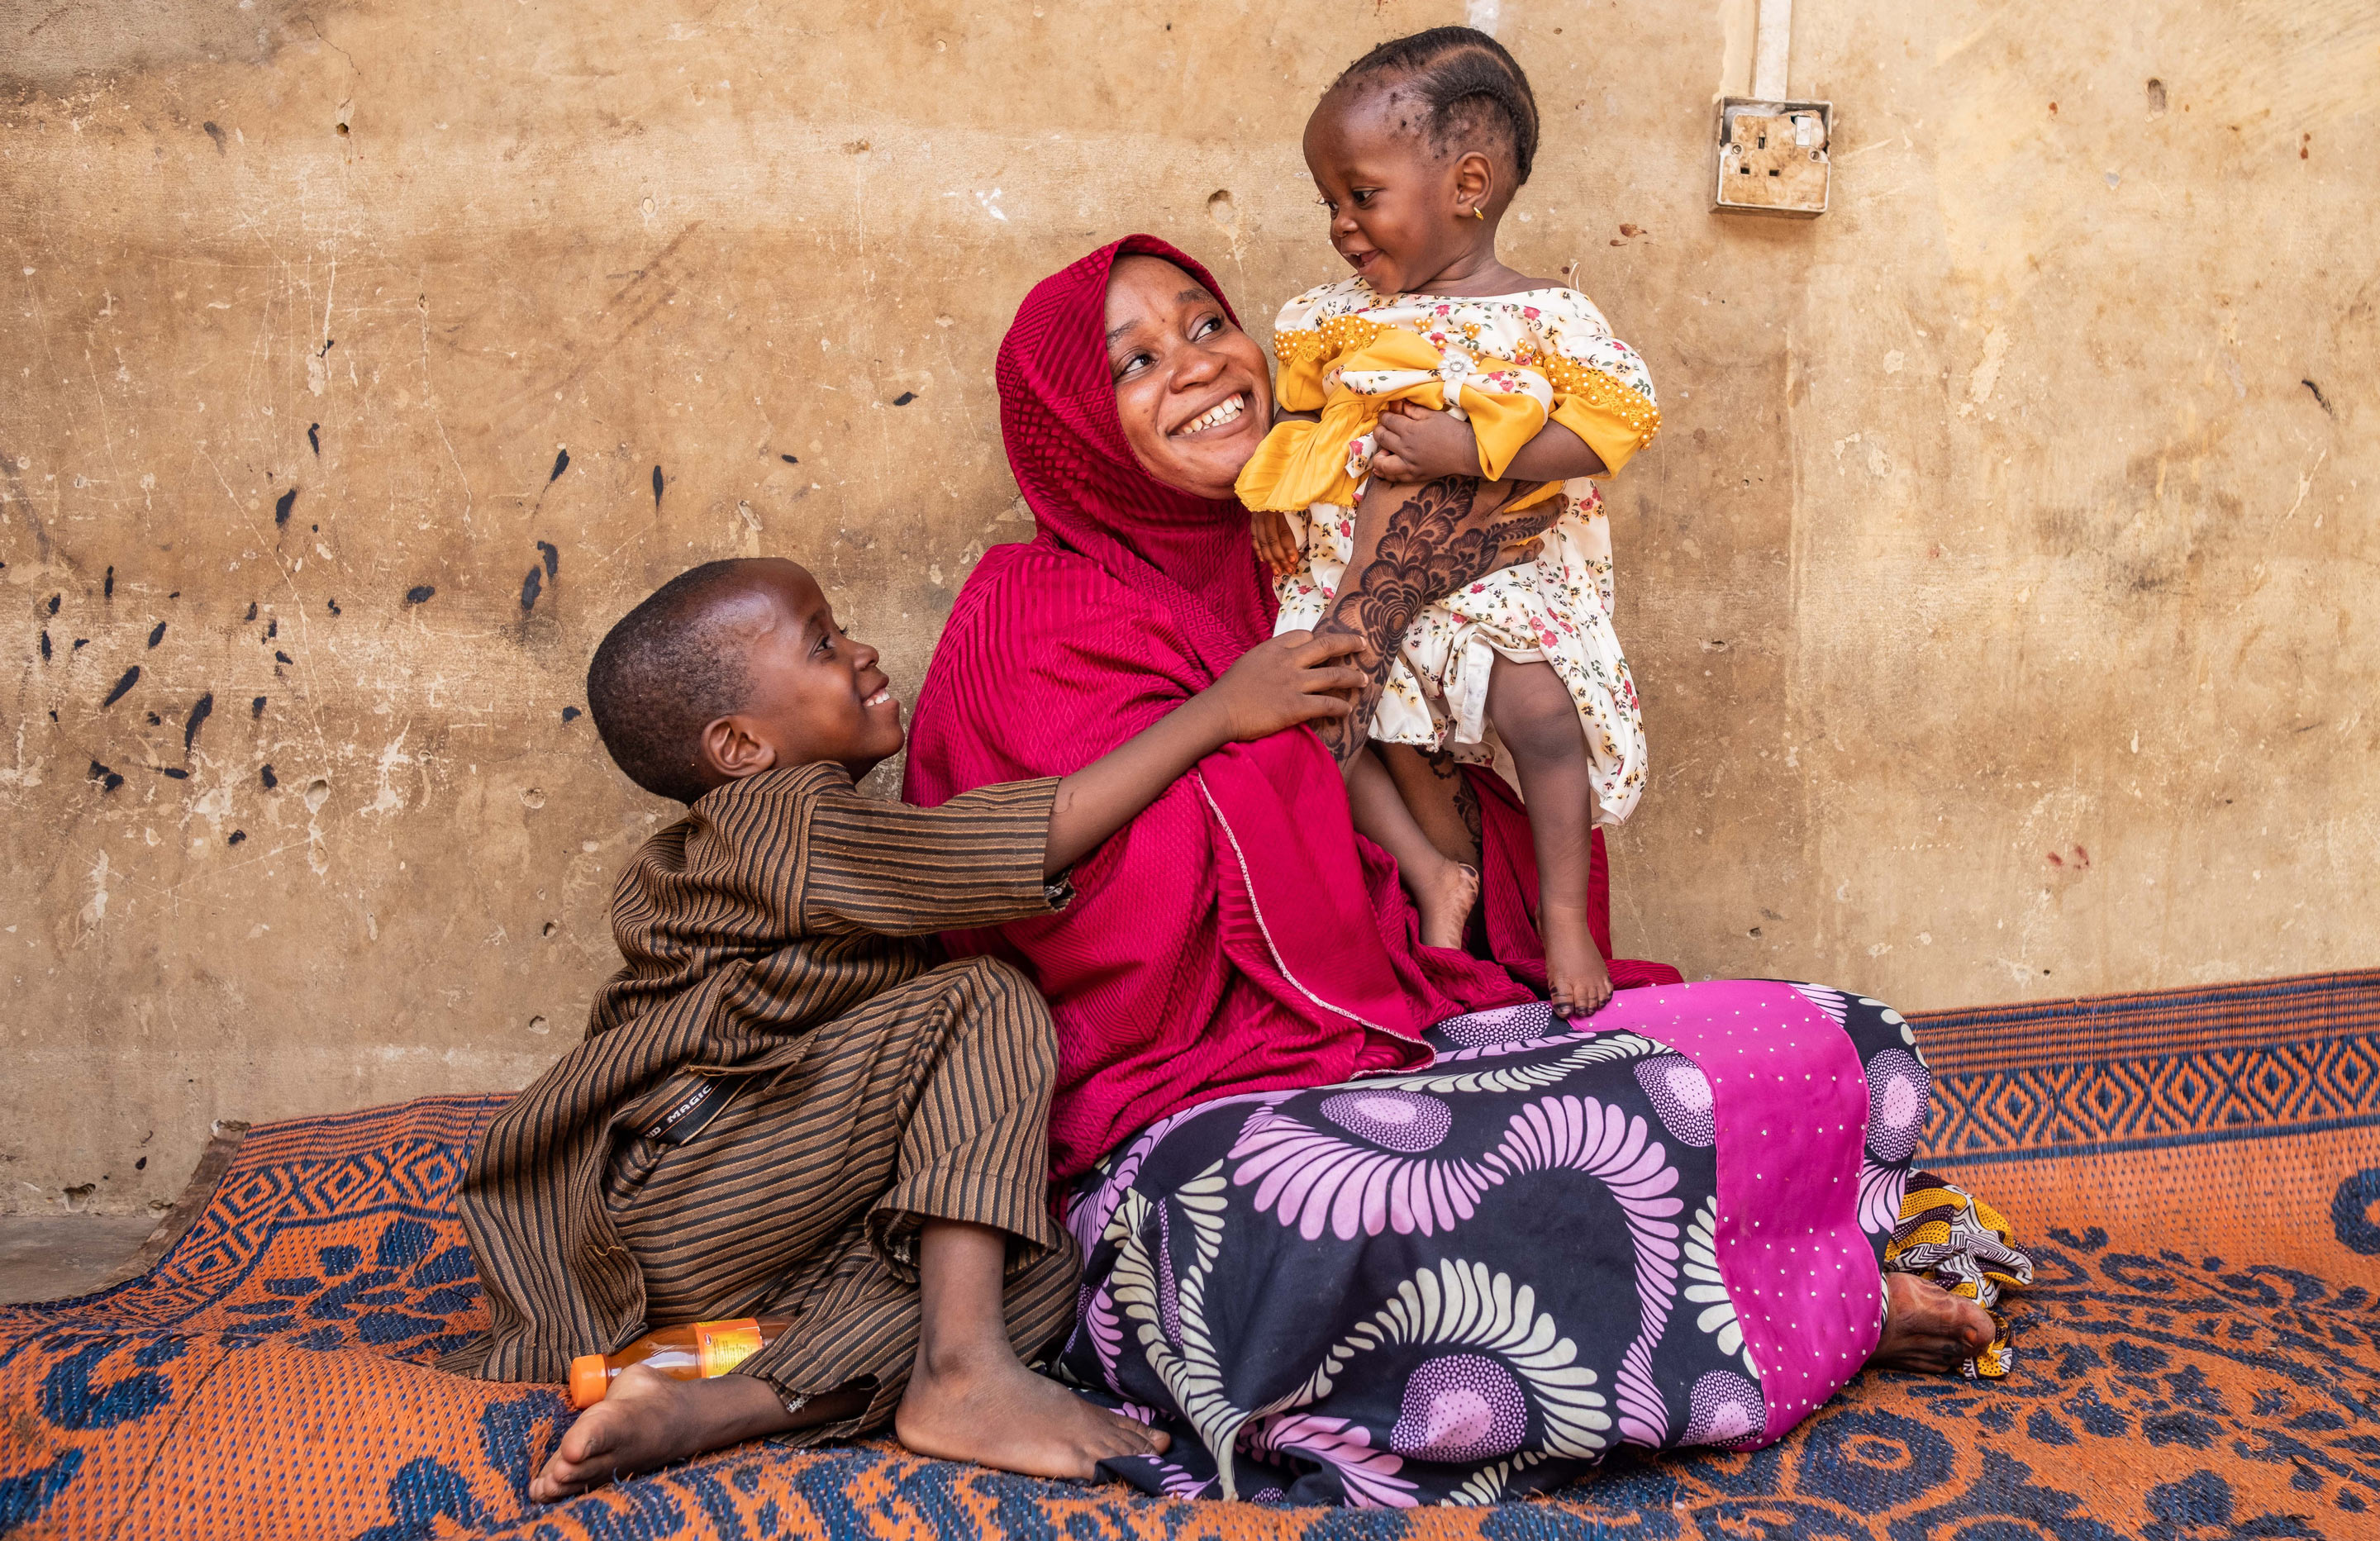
(1660, 1226)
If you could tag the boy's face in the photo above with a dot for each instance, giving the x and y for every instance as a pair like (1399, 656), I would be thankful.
(813, 695)
(1392, 203)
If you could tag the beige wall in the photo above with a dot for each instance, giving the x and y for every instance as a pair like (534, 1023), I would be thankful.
(2002, 591)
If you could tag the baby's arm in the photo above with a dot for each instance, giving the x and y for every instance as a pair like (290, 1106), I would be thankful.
(1277, 683)
(1417, 444)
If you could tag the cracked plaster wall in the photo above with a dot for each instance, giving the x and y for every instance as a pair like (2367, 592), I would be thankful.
(2001, 587)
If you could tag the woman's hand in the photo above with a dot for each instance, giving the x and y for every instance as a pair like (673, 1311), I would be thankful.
(1282, 682)
(1413, 443)
(1276, 543)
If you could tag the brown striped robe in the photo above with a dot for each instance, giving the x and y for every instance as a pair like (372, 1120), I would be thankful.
(783, 1082)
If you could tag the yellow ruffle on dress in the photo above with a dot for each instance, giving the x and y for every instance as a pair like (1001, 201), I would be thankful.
(1508, 364)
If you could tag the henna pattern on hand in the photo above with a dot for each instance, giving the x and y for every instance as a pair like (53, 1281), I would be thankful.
(1434, 543)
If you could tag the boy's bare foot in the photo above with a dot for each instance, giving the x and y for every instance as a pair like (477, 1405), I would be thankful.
(648, 1420)
(990, 1409)
(1927, 1327)
(1577, 982)
(1444, 895)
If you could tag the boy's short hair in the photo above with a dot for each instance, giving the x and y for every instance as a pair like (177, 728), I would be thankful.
(663, 672)
(1469, 85)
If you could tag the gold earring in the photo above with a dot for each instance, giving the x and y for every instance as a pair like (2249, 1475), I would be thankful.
(1478, 213)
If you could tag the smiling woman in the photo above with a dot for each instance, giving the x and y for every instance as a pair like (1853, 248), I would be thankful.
(1363, 1223)
(1192, 391)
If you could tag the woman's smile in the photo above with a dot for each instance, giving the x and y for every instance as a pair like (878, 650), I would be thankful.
(1229, 410)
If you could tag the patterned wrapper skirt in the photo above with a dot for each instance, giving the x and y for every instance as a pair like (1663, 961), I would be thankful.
(1661, 1226)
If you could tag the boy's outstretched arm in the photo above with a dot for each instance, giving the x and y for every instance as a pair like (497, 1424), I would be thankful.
(1277, 683)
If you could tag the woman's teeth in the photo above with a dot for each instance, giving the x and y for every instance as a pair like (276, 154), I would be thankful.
(880, 697)
(1214, 417)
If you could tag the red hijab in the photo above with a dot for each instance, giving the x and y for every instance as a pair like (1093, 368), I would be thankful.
(1238, 934)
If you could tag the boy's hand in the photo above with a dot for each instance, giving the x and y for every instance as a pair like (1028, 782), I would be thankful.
(1282, 682)
(1276, 544)
(1413, 443)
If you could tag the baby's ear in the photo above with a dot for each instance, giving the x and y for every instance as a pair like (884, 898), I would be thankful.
(730, 749)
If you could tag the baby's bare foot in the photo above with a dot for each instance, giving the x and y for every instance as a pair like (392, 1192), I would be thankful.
(1577, 982)
(1927, 1327)
(994, 1411)
(1444, 896)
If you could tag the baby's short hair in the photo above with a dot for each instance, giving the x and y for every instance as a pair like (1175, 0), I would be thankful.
(1469, 85)
(663, 673)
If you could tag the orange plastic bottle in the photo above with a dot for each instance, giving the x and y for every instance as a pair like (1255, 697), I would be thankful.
(696, 1352)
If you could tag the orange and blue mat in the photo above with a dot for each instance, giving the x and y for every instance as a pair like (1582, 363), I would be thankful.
(2196, 1173)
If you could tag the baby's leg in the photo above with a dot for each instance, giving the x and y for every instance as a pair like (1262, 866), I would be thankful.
(1432, 786)
(1538, 722)
(1443, 890)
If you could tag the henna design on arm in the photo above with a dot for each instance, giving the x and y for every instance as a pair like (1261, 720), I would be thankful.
(1438, 537)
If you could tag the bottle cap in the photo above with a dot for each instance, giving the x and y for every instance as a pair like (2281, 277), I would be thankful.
(590, 1379)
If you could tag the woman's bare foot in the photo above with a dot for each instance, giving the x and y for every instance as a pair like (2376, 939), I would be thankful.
(990, 1409)
(1927, 1327)
(1577, 981)
(1444, 895)
(648, 1420)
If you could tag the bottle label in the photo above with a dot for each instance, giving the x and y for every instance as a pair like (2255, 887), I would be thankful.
(721, 1346)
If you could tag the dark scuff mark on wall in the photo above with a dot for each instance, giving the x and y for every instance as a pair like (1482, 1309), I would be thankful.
(256, 708)
(335, 606)
(530, 588)
(216, 134)
(108, 780)
(2319, 400)
(130, 677)
(904, 398)
(80, 643)
(199, 715)
(657, 489)
(551, 558)
(419, 594)
(45, 647)
(790, 460)
(236, 836)
(280, 657)
(157, 634)
(270, 780)
(107, 589)
(176, 771)
(570, 714)
(272, 629)
(54, 602)
(314, 437)
(561, 463)
(281, 509)
(251, 611)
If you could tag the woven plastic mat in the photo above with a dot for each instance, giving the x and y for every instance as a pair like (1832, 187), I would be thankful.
(2197, 1173)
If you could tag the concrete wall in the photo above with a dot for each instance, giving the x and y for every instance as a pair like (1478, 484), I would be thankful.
(2002, 586)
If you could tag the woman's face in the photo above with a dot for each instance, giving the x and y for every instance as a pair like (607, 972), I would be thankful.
(1191, 387)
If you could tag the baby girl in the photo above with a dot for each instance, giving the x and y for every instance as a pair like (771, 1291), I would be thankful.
(1433, 360)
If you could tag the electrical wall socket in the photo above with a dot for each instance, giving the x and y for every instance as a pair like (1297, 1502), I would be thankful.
(1772, 157)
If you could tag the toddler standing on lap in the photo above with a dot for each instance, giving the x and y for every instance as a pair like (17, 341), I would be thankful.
(1436, 360)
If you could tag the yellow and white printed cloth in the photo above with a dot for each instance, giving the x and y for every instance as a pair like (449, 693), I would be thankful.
(1507, 364)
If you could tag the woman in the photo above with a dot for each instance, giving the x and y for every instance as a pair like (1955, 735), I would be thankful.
(1363, 1222)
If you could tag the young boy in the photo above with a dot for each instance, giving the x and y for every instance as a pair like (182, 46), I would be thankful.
(787, 1104)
